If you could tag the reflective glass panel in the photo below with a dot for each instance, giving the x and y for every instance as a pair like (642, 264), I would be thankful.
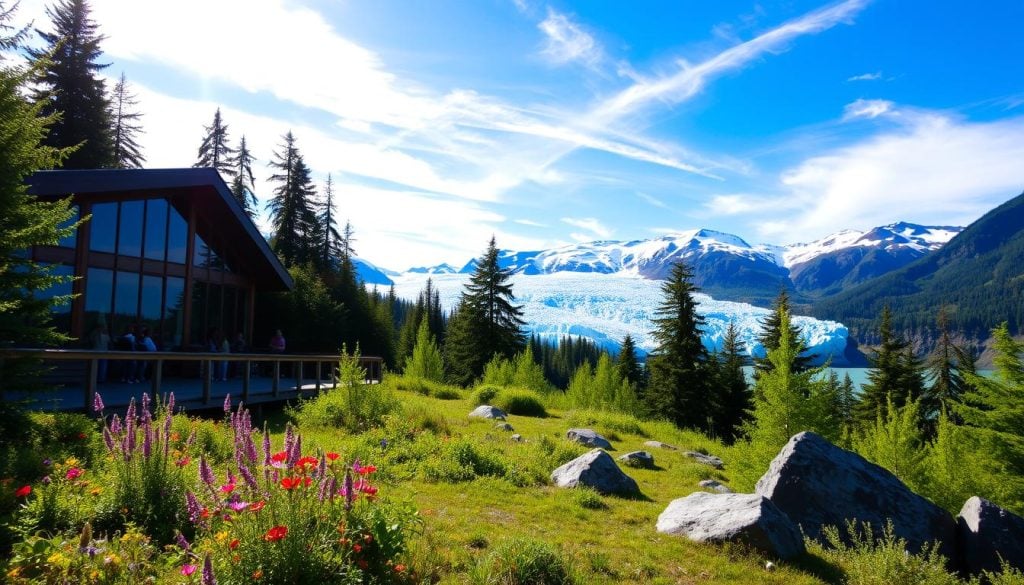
(103, 227)
(99, 289)
(174, 313)
(130, 228)
(197, 329)
(203, 253)
(126, 299)
(177, 237)
(156, 228)
(152, 297)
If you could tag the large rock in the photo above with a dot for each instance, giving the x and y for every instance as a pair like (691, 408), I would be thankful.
(705, 459)
(638, 459)
(818, 484)
(986, 533)
(487, 411)
(588, 438)
(746, 518)
(595, 469)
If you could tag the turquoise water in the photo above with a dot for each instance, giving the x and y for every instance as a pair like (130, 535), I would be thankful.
(859, 376)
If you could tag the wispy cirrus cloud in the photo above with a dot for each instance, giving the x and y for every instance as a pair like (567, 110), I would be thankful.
(567, 42)
(592, 225)
(652, 200)
(866, 77)
(869, 109)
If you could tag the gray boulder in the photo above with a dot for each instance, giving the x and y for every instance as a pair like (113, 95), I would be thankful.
(714, 485)
(746, 518)
(588, 438)
(987, 533)
(660, 445)
(487, 411)
(818, 484)
(595, 469)
(705, 459)
(503, 426)
(638, 459)
(517, 438)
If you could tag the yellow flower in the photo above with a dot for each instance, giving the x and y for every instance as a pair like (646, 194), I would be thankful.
(96, 491)
(221, 536)
(112, 559)
(55, 559)
(14, 572)
(94, 575)
(71, 462)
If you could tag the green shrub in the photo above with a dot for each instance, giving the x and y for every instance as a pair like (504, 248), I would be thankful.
(522, 561)
(121, 558)
(1006, 576)
(463, 460)
(442, 392)
(485, 394)
(588, 498)
(607, 422)
(423, 419)
(353, 405)
(883, 561)
(520, 402)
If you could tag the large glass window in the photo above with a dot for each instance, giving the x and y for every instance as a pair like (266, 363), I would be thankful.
(177, 237)
(130, 228)
(126, 299)
(103, 227)
(199, 302)
(99, 292)
(62, 312)
(215, 307)
(150, 309)
(203, 254)
(174, 313)
(156, 228)
(70, 240)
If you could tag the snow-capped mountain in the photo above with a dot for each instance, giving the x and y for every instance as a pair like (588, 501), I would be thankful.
(369, 273)
(606, 307)
(444, 268)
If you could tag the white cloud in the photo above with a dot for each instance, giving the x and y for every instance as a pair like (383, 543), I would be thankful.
(590, 224)
(566, 41)
(933, 168)
(733, 204)
(651, 200)
(866, 77)
(869, 109)
(530, 223)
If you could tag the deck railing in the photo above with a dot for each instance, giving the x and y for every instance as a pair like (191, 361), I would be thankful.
(156, 359)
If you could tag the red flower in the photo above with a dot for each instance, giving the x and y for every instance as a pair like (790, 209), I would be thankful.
(332, 456)
(357, 547)
(183, 461)
(227, 488)
(234, 544)
(279, 457)
(257, 506)
(82, 435)
(365, 487)
(312, 461)
(23, 491)
(367, 469)
(276, 533)
(399, 568)
(290, 483)
(205, 513)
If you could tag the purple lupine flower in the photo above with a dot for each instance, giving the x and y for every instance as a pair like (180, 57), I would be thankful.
(321, 494)
(227, 403)
(250, 448)
(130, 415)
(108, 440)
(97, 403)
(321, 469)
(191, 439)
(182, 541)
(145, 406)
(115, 425)
(129, 437)
(192, 507)
(167, 434)
(296, 452)
(266, 445)
(206, 472)
(208, 578)
(170, 403)
(332, 488)
(247, 475)
(147, 436)
(350, 494)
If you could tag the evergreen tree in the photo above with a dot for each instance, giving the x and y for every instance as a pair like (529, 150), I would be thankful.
(678, 387)
(771, 335)
(734, 397)
(488, 323)
(847, 400)
(214, 150)
(895, 442)
(895, 373)
(426, 359)
(330, 241)
(125, 127)
(628, 364)
(24, 220)
(243, 186)
(291, 213)
(67, 86)
(946, 366)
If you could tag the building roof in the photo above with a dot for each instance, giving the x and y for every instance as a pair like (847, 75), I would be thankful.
(205, 191)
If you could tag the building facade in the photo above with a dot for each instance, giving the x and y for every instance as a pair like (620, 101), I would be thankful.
(166, 249)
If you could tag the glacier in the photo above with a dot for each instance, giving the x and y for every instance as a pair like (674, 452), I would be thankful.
(604, 308)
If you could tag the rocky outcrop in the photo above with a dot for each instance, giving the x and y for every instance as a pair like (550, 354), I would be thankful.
(487, 411)
(705, 459)
(745, 518)
(715, 486)
(588, 438)
(638, 459)
(595, 469)
(504, 426)
(818, 484)
(660, 445)
(987, 533)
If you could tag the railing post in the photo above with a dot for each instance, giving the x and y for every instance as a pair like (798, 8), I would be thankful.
(90, 384)
(276, 383)
(207, 377)
(246, 370)
(298, 377)
(156, 376)
(318, 373)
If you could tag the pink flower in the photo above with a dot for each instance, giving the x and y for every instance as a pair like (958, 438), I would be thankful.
(227, 488)
(238, 506)
(187, 570)
(73, 473)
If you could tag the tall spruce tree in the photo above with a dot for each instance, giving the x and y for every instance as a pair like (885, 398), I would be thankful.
(330, 241)
(771, 335)
(734, 396)
(291, 213)
(425, 361)
(895, 374)
(487, 323)
(628, 365)
(24, 221)
(125, 127)
(214, 150)
(68, 85)
(678, 387)
(243, 186)
(946, 366)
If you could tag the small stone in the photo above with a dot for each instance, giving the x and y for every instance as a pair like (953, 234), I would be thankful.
(769, 566)
(517, 438)
(588, 438)
(660, 445)
(595, 469)
(705, 459)
(503, 426)
(714, 485)
(638, 459)
(487, 411)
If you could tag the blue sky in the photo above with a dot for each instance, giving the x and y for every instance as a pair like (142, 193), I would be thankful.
(549, 122)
